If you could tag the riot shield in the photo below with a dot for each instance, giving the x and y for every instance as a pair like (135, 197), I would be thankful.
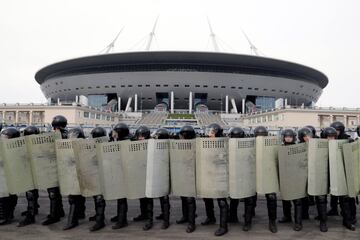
(134, 158)
(111, 171)
(338, 185)
(87, 166)
(158, 168)
(65, 160)
(318, 167)
(267, 175)
(351, 161)
(212, 174)
(242, 167)
(41, 150)
(293, 171)
(182, 167)
(17, 166)
(4, 192)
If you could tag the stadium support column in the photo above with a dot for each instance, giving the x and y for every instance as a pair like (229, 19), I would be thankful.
(190, 102)
(234, 105)
(128, 104)
(227, 104)
(136, 103)
(119, 104)
(58, 101)
(243, 105)
(172, 102)
(286, 103)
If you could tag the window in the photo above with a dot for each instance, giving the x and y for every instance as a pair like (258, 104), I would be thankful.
(113, 86)
(122, 86)
(129, 85)
(240, 87)
(249, 88)
(176, 85)
(216, 86)
(147, 85)
(197, 85)
(89, 87)
(97, 86)
(86, 114)
(106, 86)
(205, 86)
(157, 85)
(222, 86)
(187, 85)
(139, 85)
(165, 85)
(256, 89)
(232, 87)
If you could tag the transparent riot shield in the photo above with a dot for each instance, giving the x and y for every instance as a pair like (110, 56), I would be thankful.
(87, 166)
(293, 171)
(242, 167)
(212, 174)
(351, 161)
(134, 158)
(267, 175)
(4, 192)
(158, 168)
(318, 167)
(182, 167)
(338, 185)
(17, 165)
(65, 160)
(42, 154)
(111, 170)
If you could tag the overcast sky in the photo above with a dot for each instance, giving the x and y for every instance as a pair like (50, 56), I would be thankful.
(323, 34)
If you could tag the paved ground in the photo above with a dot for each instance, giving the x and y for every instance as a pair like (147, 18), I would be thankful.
(134, 230)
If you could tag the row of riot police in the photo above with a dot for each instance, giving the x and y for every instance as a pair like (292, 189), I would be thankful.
(228, 212)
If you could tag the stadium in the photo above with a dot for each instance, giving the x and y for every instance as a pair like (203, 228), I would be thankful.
(178, 80)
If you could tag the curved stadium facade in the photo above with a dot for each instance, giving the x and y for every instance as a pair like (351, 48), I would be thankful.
(181, 80)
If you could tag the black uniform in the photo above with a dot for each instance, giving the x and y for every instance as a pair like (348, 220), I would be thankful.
(249, 201)
(8, 204)
(164, 201)
(188, 203)
(77, 202)
(56, 207)
(33, 195)
(271, 199)
(297, 202)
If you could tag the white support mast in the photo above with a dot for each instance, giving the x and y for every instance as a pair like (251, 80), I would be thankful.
(213, 37)
(110, 47)
(151, 35)
(253, 48)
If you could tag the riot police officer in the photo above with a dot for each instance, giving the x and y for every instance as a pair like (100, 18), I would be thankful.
(340, 130)
(8, 204)
(271, 199)
(289, 138)
(188, 203)
(215, 131)
(345, 202)
(121, 132)
(99, 200)
(59, 124)
(76, 202)
(142, 133)
(33, 195)
(238, 132)
(161, 133)
(358, 132)
(304, 135)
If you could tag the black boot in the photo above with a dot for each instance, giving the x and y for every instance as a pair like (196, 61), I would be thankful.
(73, 220)
(233, 217)
(35, 193)
(81, 207)
(149, 214)
(142, 215)
(166, 213)
(298, 215)
(210, 215)
(224, 209)
(122, 208)
(100, 213)
(346, 212)
(185, 211)
(93, 218)
(248, 213)
(30, 212)
(333, 206)
(305, 207)
(271, 206)
(321, 205)
(191, 203)
(5, 210)
(56, 206)
(254, 204)
(286, 211)
(352, 204)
